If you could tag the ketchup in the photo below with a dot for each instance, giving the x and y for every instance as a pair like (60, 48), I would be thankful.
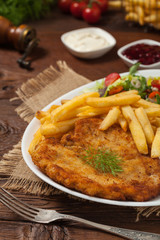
(144, 53)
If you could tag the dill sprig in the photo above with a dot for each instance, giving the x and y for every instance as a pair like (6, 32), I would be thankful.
(103, 160)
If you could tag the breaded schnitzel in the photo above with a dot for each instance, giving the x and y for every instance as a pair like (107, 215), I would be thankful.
(60, 160)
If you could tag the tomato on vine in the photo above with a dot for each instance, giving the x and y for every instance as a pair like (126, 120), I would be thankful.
(77, 7)
(102, 4)
(64, 5)
(91, 14)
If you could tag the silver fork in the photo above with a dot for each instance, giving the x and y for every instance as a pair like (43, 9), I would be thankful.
(39, 215)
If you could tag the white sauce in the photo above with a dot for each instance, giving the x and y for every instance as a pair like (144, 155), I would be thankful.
(84, 41)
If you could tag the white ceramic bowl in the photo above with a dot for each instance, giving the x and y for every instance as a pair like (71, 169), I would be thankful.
(90, 54)
(130, 62)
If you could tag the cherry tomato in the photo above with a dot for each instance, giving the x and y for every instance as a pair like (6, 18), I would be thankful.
(76, 8)
(91, 14)
(102, 4)
(156, 83)
(111, 78)
(64, 5)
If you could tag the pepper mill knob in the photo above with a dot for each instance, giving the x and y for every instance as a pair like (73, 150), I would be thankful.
(18, 37)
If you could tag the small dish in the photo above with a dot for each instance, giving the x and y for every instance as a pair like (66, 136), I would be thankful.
(130, 62)
(107, 42)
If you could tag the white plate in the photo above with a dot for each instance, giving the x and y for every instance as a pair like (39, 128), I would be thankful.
(90, 54)
(34, 125)
(130, 62)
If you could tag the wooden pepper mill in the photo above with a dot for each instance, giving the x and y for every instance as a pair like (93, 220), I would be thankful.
(22, 38)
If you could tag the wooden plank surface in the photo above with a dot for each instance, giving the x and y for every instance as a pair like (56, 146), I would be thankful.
(12, 127)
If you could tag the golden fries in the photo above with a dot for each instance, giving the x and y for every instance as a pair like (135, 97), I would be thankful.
(141, 11)
(157, 122)
(145, 104)
(115, 5)
(50, 129)
(92, 111)
(142, 118)
(46, 118)
(64, 101)
(40, 114)
(110, 119)
(136, 129)
(116, 100)
(45, 115)
(145, 123)
(60, 113)
(153, 112)
(123, 123)
(155, 150)
(37, 138)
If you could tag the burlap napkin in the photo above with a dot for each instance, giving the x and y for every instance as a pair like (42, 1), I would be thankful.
(35, 94)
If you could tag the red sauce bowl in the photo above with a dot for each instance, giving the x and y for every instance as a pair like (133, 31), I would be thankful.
(145, 51)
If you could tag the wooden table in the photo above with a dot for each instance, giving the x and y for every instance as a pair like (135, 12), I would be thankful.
(12, 127)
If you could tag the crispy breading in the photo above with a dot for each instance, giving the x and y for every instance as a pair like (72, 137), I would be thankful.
(61, 161)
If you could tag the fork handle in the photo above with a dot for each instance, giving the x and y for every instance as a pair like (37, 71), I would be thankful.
(122, 232)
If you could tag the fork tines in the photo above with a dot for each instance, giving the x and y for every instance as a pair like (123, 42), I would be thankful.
(18, 206)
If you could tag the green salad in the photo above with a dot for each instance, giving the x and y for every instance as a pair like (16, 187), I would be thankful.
(148, 88)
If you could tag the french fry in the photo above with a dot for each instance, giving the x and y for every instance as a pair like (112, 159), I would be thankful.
(40, 114)
(78, 112)
(115, 5)
(143, 11)
(71, 114)
(154, 129)
(152, 4)
(60, 113)
(45, 115)
(157, 121)
(152, 121)
(46, 118)
(129, 8)
(132, 16)
(123, 123)
(50, 129)
(145, 104)
(111, 101)
(52, 108)
(156, 25)
(92, 111)
(110, 119)
(153, 112)
(64, 101)
(155, 149)
(137, 2)
(152, 18)
(136, 129)
(140, 13)
(37, 138)
(145, 123)
(84, 108)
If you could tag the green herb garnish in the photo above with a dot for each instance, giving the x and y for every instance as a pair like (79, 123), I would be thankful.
(103, 160)
(18, 11)
(134, 68)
